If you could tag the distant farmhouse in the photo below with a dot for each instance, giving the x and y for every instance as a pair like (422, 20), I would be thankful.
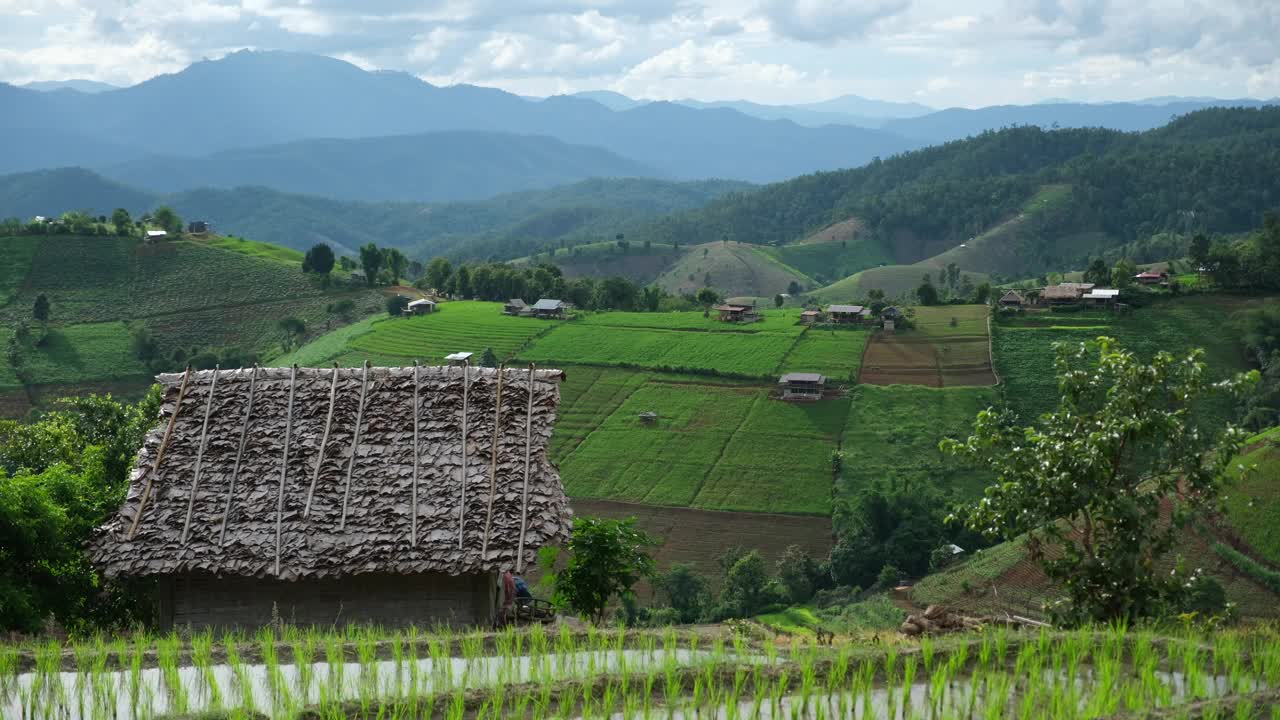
(156, 235)
(197, 227)
(856, 314)
(802, 386)
(515, 306)
(420, 307)
(1064, 293)
(1152, 277)
(809, 317)
(736, 313)
(1013, 298)
(548, 308)
(326, 497)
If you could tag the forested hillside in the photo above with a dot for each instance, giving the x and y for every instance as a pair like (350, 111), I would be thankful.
(505, 226)
(1125, 186)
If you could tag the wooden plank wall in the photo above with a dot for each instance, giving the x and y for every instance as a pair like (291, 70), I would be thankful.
(202, 601)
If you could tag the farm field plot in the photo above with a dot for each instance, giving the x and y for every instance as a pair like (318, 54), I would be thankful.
(700, 537)
(588, 395)
(99, 279)
(1253, 503)
(15, 260)
(713, 446)
(742, 354)
(328, 347)
(834, 353)
(775, 320)
(466, 326)
(949, 347)
(892, 434)
(86, 352)
(1024, 353)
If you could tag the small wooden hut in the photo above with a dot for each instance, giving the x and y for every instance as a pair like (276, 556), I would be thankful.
(802, 386)
(420, 307)
(549, 308)
(393, 496)
(515, 306)
(809, 317)
(849, 314)
(1012, 299)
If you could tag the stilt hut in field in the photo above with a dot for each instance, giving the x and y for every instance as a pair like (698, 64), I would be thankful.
(393, 496)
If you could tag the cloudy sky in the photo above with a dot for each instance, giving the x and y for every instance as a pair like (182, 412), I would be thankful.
(937, 52)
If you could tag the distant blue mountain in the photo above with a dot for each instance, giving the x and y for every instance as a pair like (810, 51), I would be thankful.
(83, 86)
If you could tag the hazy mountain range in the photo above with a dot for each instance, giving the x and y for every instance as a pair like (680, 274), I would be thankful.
(312, 124)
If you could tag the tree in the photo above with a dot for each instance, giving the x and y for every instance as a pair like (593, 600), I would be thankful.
(706, 297)
(687, 592)
(396, 263)
(793, 288)
(344, 308)
(1199, 250)
(371, 259)
(40, 311)
(927, 294)
(953, 275)
(488, 358)
(438, 272)
(746, 586)
(1122, 274)
(167, 219)
(800, 574)
(396, 305)
(121, 221)
(606, 559)
(778, 300)
(319, 259)
(1098, 273)
(293, 329)
(1104, 485)
(982, 295)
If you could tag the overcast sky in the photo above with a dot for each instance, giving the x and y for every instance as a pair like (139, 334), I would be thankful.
(776, 51)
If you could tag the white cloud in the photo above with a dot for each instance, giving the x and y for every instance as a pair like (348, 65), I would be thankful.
(693, 70)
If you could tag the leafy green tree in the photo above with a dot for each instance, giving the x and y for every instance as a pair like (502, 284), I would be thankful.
(371, 261)
(319, 259)
(800, 574)
(746, 586)
(1098, 273)
(706, 297)
(927, 294)
(396, 263)
(40, 311)
(982, 294)
(293, 329)
(1122, 276)
(686, 591)
(121, 221)
(793, 288)
(438, 272)
(396, 305)
(1091, 484)
(778, 300)
(167, 219)
(488, 358)
(344, 308)
(1199, 250)
(606, 559)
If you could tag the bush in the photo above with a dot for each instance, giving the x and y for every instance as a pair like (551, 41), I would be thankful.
(888, 577)
(396, 305)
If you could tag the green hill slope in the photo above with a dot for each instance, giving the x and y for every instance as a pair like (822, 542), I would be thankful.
(735, 269)
(215, 298)
(1107, 188)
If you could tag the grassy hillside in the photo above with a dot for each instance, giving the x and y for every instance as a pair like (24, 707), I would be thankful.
(191, 296)
(897, 281)
(732, 268)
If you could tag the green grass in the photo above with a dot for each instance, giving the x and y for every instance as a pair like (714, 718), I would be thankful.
(733, 269)
(780, 321)
(893, 432)
(753, 355)
(87, 352)
(1024, 355)
(714, 446)
(15, 261)
(8, 378)
(1253, 501)
(936, 321)
(831, 261)
(834, 353)
(876, 613)
(456, 327)
(898, 282)
(253, 248)
(328, 347)
(798, 620)
(975, 572)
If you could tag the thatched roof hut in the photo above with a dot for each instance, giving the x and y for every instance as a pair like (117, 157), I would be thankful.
(264, 492)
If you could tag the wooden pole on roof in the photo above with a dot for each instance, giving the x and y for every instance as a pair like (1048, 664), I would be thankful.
(164, 444)
(235, 472)
(462, 501)
(284, 463)
(528, 456)
(204, 438)
(324, 440)
(413, 509)
(493, 462)
(355, 442)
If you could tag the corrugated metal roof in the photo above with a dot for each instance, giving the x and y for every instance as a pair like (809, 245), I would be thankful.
(548, 304)
(423, 301)
(1102, 294)
(855, 309)
(802, 377)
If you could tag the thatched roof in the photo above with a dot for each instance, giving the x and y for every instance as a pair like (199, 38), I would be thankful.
(354, 510)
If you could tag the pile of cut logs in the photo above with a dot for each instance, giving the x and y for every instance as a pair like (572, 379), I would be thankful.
(937, 620)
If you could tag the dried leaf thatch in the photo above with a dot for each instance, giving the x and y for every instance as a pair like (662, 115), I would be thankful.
(311, 473)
